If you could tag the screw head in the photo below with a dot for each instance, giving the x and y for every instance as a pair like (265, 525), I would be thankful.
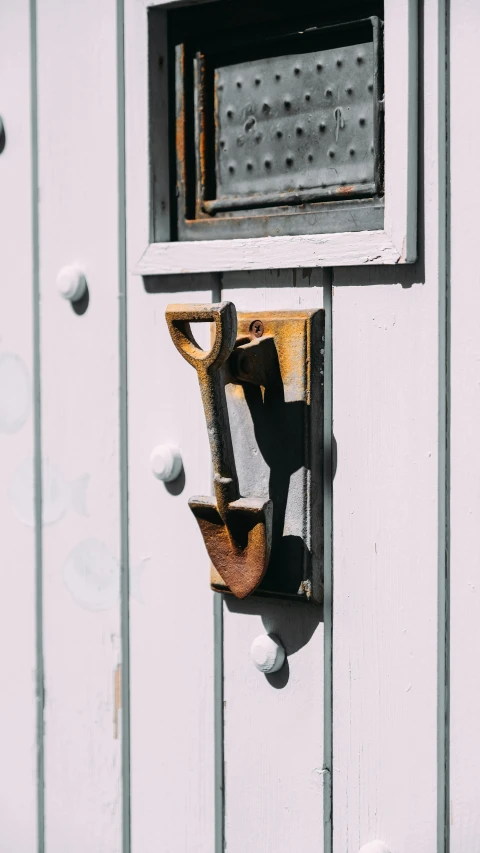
(256, 328)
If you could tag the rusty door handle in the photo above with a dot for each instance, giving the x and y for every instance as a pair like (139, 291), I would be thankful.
(237, 530)
(208, 365)
(223, 315)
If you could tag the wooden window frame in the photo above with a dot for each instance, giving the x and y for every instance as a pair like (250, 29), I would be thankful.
(395, 243)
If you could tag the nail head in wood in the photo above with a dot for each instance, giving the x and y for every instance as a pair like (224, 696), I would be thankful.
(267, 653)
(166, 462)
(71, 283)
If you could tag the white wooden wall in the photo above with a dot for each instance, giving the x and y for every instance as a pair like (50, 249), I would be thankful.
(274, 750)
(371, 732)
(79, 402)
(465, 459)
(385, 422)
(18, 715)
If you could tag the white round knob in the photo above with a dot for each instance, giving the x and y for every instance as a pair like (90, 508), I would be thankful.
(374, 847)
(71, 283)
(166, 462)
(267, 653)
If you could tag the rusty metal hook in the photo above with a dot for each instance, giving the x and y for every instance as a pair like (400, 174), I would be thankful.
(237, 530)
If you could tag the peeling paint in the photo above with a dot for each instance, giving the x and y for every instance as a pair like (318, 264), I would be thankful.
(58, 494)
(92, 575)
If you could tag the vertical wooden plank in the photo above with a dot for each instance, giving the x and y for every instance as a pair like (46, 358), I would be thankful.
(80, 426)
(18, 821)
(273, 744)
(171, 618)
(465, 460)
(443, 596)
(385, 405)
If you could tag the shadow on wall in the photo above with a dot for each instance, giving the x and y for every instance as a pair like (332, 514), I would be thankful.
(3, 137)
(80, 305)
(293, 623)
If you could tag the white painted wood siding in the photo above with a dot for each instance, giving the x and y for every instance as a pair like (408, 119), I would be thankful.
(274, 725)
(385, 422)
(18, 773)
(172, 619)
(465, 419)
(77, 82)
(196, 698)
(171, 622)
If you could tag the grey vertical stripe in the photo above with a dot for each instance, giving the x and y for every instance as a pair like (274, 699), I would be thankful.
(123, 418)
(219, 723)
(37, 441)
(218, 715)
(328, 565)
(443, 823)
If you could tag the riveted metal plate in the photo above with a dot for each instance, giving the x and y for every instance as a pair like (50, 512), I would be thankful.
(277, 440)
(281, 134)
(301, 124)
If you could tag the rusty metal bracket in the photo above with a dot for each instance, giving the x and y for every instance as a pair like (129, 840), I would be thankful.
(262, 387)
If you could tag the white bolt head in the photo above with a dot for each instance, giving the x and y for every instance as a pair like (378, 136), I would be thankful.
(166, 462)
(374, 847)
(71, 283)
(267, 653)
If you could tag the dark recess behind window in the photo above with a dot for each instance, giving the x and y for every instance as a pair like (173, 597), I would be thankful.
(226, 32)
(258, 18)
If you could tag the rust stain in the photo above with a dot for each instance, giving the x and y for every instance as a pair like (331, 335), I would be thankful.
(288, 332)
(180, 139)
(347, 190)
(240, 548)
(306, 588)
(202, 144)
(201, 60)
(180, 124)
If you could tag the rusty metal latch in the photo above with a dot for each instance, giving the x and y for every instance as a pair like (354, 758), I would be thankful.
(242, 522)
